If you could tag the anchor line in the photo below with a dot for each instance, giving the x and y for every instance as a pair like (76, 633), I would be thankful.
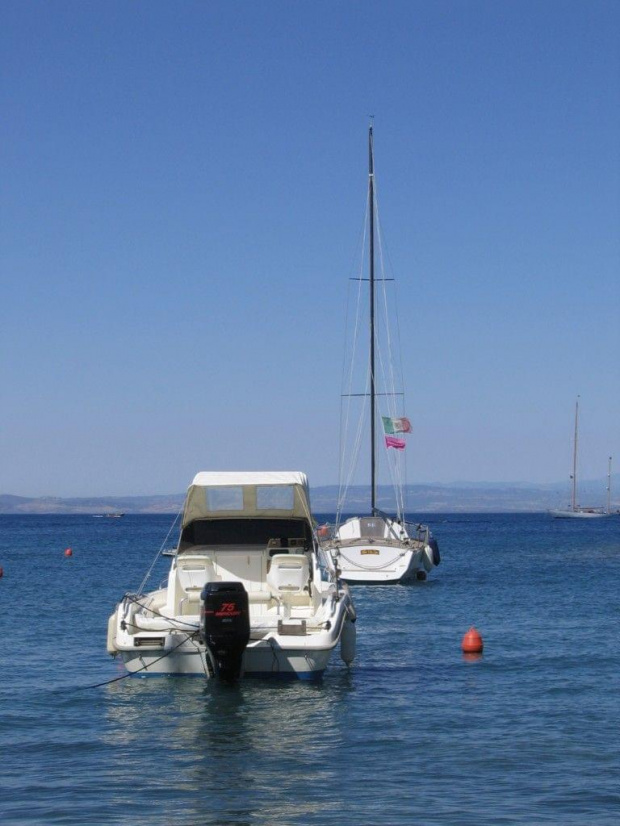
(206, 666)
(275, 664)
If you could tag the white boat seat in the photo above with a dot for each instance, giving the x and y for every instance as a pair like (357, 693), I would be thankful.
(191, 603)
(151, 623)
(288, 578)
(193, 573)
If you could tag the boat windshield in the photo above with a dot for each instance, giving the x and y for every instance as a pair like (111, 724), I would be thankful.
(372, 527)
(217, 532)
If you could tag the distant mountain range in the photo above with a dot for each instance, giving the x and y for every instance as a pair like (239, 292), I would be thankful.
(459, 497)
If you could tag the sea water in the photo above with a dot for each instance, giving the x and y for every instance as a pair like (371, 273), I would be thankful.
(413, 733)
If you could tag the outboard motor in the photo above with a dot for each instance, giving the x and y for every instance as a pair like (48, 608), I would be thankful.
(226, 626)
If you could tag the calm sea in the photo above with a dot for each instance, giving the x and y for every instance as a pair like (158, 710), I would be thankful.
(412, 734)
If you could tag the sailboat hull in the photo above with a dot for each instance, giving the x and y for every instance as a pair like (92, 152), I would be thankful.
(577, 514)
(379, 564)
(377, 550)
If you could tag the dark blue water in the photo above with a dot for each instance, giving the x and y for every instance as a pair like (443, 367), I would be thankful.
(412, 734)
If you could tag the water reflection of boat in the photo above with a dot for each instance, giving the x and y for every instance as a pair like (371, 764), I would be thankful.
(249, 591)
(230, 742)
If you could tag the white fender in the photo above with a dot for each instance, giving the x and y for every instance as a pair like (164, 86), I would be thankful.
(111, 644)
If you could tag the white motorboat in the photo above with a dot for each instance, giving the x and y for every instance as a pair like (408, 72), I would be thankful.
(576, 511)
(249, 593)
(377, 548)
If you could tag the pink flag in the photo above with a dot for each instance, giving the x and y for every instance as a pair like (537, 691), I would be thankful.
(392, 441)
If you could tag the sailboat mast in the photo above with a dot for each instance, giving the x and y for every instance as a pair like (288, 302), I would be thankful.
(371, 211)
(609, 486)
(574, 502)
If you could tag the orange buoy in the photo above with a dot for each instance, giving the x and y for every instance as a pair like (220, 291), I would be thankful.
(68, 552)
(472, 642)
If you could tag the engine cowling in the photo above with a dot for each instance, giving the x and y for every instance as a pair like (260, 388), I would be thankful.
(225, 626)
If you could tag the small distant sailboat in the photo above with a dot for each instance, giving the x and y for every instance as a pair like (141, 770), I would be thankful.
(578, 511)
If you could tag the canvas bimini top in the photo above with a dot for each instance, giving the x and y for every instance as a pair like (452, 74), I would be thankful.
(247, 495)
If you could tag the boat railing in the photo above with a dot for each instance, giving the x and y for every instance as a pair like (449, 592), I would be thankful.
(326, 533)
(418, 531)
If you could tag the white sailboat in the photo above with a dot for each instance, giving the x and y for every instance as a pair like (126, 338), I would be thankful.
(376, 548)
(576, 511)
(249, 591)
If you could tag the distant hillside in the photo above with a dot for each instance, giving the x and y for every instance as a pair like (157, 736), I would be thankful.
(465, 497)
(469, 497)
(92, 505)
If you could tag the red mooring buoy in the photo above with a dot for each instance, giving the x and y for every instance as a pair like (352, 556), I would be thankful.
(1, 572)
(472, 642)
(68, 552)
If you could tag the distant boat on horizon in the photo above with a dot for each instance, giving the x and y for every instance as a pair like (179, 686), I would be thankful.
(578, 511)
(107, 515)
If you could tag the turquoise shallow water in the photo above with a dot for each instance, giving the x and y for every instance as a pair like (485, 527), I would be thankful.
(412, 734)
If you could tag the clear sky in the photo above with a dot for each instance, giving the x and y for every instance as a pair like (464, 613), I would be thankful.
(183, 186)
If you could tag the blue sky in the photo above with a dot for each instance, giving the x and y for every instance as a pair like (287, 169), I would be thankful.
(182, 194)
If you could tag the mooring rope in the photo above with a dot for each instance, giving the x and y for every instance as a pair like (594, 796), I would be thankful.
(133, 673)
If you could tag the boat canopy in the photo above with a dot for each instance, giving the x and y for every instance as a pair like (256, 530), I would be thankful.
(247, 495)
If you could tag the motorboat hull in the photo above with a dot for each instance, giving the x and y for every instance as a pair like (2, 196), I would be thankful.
(261, 660)
(176, 647)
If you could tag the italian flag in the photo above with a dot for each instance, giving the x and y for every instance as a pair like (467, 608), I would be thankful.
(391, 426)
